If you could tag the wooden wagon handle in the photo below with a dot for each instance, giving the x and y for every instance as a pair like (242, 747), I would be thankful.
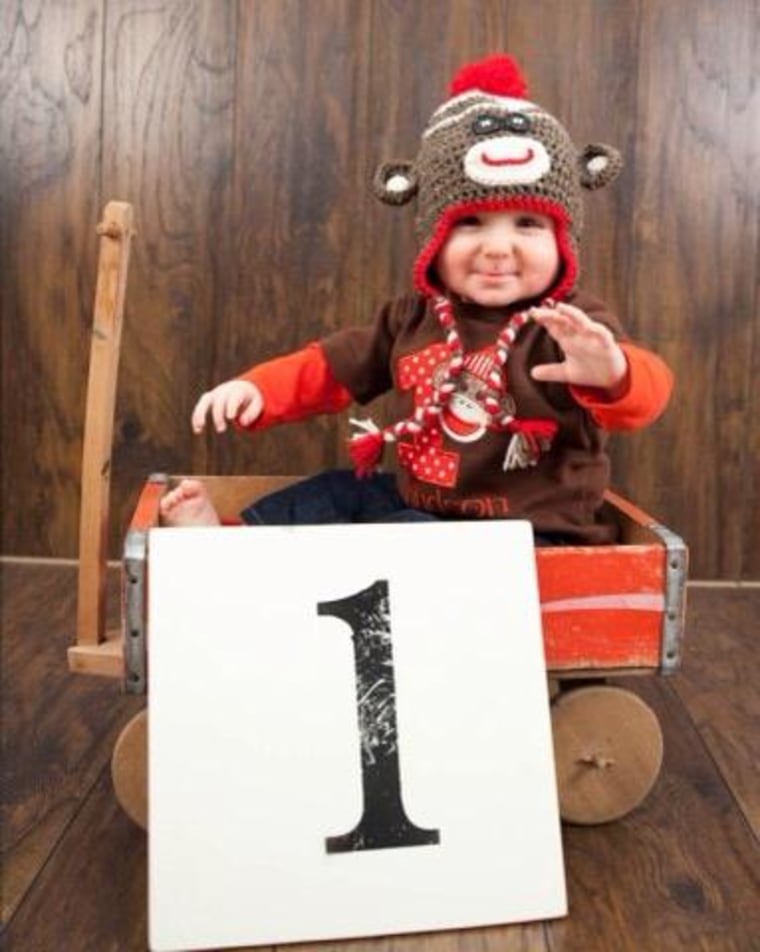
(115, 231)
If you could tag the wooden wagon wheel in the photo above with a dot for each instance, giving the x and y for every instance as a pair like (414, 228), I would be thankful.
(607, 751)
(129, 769)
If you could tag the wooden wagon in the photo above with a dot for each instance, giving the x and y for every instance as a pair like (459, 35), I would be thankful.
(607, 611)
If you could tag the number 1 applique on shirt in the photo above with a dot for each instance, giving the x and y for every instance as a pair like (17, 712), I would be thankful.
(463, 420)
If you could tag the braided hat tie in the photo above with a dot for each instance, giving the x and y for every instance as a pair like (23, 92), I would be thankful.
(366, 447)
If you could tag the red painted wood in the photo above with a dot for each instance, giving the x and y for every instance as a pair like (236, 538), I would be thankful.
(607, 639)
(602, 607)
(597, 570)
(145, 515)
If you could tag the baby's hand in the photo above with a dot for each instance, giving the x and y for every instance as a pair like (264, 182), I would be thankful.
(234, 400)
(592, 355)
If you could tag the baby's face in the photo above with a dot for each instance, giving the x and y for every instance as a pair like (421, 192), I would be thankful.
(498, 258)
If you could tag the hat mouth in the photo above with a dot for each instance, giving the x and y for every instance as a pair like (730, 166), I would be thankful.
(424, 274)
(507, 160)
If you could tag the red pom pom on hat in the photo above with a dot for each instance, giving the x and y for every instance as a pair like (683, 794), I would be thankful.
(498, 74)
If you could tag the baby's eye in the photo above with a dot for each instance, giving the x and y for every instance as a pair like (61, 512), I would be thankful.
(468, 221)
(532, 221)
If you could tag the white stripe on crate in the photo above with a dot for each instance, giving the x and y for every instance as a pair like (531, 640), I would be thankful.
(624, 600)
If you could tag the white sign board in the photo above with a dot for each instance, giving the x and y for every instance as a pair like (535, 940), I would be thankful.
(349, 733)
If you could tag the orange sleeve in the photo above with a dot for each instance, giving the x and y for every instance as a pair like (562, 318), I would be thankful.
(644, 395)
(296, 386)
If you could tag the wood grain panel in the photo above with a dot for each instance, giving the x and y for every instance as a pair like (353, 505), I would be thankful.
(167, 148)
(49, 203)
(694, 271)
(60, 728)
(721, 698)
(299, 160)
(91, 894)
(751, 469)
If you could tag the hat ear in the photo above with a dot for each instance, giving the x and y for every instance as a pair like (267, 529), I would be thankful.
(395, 183)
(599, 164)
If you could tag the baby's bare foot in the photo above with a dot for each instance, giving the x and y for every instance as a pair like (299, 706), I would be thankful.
(188, 505)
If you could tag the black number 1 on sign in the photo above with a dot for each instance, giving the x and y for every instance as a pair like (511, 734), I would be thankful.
(384, 823)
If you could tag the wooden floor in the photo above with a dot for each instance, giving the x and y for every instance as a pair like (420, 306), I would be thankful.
(681, 873)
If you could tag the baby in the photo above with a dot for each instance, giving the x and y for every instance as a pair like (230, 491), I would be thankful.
(506, 379)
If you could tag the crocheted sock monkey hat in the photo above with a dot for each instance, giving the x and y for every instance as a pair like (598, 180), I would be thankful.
(489, 148)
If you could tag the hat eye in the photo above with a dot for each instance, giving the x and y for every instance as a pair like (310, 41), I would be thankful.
(486, 124)
(517, 122)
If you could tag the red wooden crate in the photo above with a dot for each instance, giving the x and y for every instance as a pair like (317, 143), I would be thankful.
(605, 609)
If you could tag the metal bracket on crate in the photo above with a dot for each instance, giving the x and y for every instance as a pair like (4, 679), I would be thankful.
(134, 579)
(676, 562)
(135, 584)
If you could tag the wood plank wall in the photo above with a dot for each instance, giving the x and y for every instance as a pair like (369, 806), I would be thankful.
(245, 131)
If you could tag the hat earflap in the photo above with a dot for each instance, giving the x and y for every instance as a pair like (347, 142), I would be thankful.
(395, 183)
(599, 164)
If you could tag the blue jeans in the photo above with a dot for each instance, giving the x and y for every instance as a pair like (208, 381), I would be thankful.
(332, 497)
(338, 496)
